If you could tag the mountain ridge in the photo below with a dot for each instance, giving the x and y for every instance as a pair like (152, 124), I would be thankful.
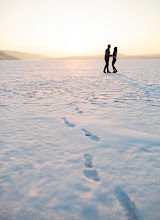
(5, 56)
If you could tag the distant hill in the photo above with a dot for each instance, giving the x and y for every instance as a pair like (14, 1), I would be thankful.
(26, 56)
(5, 56)
(16, 55)
(120, 56)
(141, 56)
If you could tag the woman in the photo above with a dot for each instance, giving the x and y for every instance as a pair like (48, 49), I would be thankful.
(114, 59)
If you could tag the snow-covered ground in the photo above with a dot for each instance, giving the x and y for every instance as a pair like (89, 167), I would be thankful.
(77, 143)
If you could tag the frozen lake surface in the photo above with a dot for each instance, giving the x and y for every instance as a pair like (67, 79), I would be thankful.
(77, 143)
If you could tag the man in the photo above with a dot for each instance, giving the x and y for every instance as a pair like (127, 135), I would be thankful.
(107, 56)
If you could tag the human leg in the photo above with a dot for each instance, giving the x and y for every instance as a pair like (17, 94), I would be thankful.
(114, 68)
(105, 68)
(107, 64)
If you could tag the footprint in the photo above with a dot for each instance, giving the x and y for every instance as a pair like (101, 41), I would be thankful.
(89, 171)
(67, 123)
(91, 136)
(78, 111)
(128, 205)
(88, 161)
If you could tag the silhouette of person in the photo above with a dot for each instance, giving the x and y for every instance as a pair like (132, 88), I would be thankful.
(106, 58)
(114, 59)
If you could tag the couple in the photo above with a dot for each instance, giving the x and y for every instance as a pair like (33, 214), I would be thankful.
(107, 56)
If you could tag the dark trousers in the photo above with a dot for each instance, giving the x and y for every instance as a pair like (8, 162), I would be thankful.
(106, 66)
(113, 62)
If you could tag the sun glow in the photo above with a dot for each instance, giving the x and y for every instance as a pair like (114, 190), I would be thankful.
(75, 42)
(66, 28)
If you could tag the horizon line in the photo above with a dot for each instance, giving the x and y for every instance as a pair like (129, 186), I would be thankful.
(34, 53)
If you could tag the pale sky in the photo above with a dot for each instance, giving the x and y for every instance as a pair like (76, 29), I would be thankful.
(80, 27)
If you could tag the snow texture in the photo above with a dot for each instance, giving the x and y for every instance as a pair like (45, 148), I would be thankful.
(77, 143)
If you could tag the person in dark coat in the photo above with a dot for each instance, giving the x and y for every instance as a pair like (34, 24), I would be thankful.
(106, 58)
(114, 59)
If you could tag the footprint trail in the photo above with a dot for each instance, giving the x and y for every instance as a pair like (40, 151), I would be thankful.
(89, 172)
(90, 135)
(78, 111)
(67, 123)
(128, 205)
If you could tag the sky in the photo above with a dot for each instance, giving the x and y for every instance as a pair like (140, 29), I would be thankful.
(80, 27)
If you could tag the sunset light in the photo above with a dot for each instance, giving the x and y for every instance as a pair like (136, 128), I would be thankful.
(79, 109)
(64, 28)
